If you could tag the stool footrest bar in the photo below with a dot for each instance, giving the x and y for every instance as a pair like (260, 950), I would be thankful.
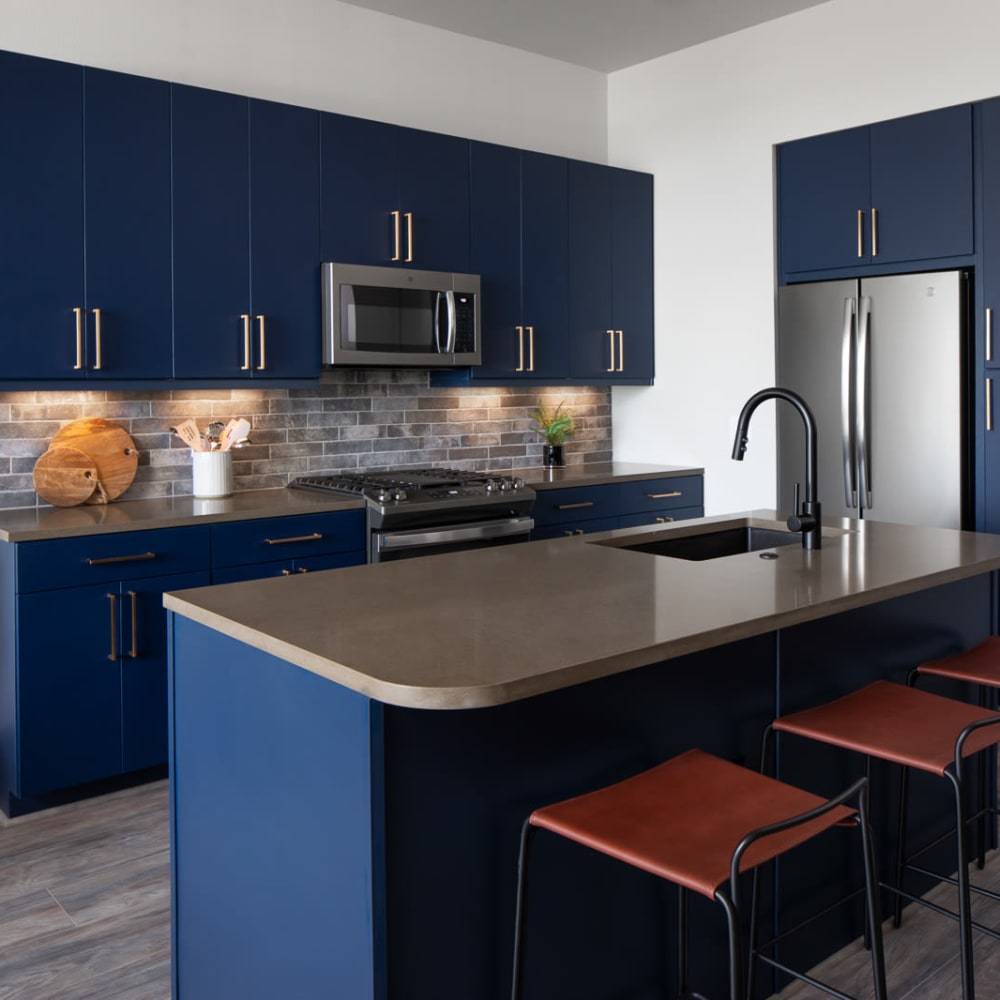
(805, 978)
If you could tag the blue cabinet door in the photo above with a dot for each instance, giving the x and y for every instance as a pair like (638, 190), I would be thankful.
(211, 234)
(41, 205)
(545, 264)
(495, 233)
(434, 200)
(284, 240)
(632, 273)
(360, 190)
(921, 187)
(823, 183)
(127, 162)
(68, 688)
(988, 330)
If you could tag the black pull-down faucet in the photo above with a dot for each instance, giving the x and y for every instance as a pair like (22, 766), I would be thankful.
(805, 520)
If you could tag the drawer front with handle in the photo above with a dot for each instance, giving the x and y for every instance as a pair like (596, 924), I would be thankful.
(286, 538)
(126, 555)
(655, 518)
(660, 494)
(577, 503)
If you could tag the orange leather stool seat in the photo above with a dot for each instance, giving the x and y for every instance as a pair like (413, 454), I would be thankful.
(694, 821)
(913, 728)
(979, 665)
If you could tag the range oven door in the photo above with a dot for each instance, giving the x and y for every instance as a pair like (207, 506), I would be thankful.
(385, 546)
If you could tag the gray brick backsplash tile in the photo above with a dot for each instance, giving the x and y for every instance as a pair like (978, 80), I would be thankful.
(354, 419)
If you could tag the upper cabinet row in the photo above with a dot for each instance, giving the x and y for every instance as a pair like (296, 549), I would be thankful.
(880, 194)
(157, 231)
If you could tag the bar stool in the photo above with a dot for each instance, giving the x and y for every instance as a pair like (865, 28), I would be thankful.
(699, 821)
(914, 728)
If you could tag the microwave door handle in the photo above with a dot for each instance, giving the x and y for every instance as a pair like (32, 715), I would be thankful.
(437, 322)
(449, 298)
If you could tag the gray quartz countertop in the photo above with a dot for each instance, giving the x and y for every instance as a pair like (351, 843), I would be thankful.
(27, 524)
(486, 627)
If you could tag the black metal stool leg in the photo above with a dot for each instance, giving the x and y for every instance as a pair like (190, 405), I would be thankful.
(981, 859)
(904, 802)
(736, 991)
(527, 835)
(964, 896)
(682, 941)
(872, 909)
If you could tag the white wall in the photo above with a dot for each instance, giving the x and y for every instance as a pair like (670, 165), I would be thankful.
(328, 55)
(704, 121)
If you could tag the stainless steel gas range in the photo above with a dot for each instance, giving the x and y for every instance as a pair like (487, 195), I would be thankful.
(423, 511)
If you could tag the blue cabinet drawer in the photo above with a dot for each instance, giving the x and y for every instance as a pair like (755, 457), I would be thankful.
(286, 538)
(660, 494)
(127, 555)
(575, 504)
(568, 528)
(286, 567)
(654, 518)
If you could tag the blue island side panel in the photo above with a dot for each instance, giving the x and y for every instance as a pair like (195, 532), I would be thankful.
(259, 748)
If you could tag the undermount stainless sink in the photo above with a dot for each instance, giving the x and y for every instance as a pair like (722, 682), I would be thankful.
(712, 541)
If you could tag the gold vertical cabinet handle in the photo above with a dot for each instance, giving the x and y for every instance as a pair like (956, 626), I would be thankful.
(531, 348)
(409, 237)
(245, 367)
(396, 221)
(621, 352)
(97, 340)
(263, 350)
(79, 338)
(989, 404)
(520, 348)
(989, 333)
(611, 345)
(113, 605)
(874, 232)
(861, 233)
(664, 520)
(134, 651)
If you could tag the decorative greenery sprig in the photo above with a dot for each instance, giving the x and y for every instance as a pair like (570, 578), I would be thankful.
(555, 423)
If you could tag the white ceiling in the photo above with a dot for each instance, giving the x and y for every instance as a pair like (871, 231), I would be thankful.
(604, 35)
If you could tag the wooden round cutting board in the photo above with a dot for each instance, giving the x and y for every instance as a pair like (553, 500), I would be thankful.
(112, 450)
(65, 476)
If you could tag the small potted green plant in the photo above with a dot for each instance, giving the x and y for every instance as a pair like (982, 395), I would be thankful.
(557, 424)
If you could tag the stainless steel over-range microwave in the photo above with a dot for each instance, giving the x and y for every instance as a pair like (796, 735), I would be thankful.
(399, 317)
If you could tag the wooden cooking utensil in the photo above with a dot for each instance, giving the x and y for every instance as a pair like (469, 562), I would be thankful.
(112, 450)
(65, 476)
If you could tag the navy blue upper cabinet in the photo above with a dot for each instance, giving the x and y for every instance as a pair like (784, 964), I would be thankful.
(518, 247)
(394, 196)
(94, 146)
(882, 194)
(610, 273)
(242, 170)
(989, 269)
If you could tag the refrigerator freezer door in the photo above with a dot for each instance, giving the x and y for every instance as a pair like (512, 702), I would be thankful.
(914, 398)
(816, 322)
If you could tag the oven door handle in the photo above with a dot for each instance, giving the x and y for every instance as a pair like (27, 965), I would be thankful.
(484, 530)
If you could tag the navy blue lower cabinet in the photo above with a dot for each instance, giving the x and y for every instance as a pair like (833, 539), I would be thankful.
(384, 864)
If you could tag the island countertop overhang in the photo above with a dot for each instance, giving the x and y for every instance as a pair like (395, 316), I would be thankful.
(476, 629)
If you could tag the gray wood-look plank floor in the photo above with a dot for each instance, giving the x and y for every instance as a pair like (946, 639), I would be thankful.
(85, 914)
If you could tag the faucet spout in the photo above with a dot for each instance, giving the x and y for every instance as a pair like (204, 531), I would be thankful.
(806, 519)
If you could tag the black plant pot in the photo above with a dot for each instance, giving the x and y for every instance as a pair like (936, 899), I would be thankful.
(554, 454)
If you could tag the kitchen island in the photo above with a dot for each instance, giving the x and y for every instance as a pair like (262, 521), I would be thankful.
(353, 752)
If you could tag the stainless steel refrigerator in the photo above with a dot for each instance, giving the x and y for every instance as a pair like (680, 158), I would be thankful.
(882, 364)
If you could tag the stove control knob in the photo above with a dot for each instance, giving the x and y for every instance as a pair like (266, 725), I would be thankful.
(490, 486)
(398, 494)
(380, 495)
(517, 483)
(504, 484)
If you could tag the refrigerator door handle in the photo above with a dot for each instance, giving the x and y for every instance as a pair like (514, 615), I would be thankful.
(861, 403)
(846, 415)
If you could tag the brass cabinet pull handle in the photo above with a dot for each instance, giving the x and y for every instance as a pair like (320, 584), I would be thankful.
(263, 349)
(664, 520)
(611, 345)
(138, 557)
(314, 537)
(861, 233)
(989, 333)
(409, 237)
(113, 605)
(574, 506)
(989, 404)
(396, 220)
(568, 532)
(97, 340)
(79, 338)
(531, 348)
(134, 651)
(245, 367)
(520, 348)
(303, 569)
(874, 232)
(664, 496)
(621, 352)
